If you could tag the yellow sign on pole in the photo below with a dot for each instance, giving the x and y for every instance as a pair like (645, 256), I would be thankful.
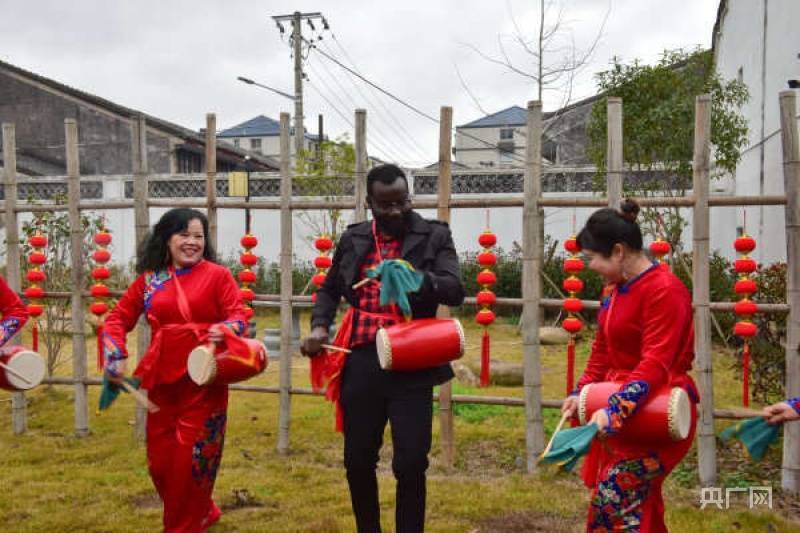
(237, 184)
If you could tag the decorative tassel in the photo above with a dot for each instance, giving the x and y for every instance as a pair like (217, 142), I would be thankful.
(746, 374)
(571, 364)
(35, 336)
(317, 372)
(485, 353)
(100, 358)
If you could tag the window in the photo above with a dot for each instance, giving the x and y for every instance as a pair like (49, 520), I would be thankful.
(506, 133)
(506, 158)
(236, 143)
(255, 145)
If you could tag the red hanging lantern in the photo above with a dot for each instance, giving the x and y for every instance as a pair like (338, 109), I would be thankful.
(486, 278)
(324, 245)
(745, 308)
(99, 290)
(659, 248)
(573, 265)
(35, 276)
(247, 277)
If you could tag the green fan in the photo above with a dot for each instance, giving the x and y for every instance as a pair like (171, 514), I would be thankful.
(569, 445)
(398, 278)
(755, 433)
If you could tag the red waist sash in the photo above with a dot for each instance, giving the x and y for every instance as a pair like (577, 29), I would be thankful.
(176, 339)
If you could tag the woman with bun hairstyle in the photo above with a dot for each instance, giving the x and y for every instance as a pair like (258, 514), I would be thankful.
(645, 341)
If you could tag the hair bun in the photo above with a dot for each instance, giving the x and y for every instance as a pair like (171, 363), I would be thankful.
(628, 210)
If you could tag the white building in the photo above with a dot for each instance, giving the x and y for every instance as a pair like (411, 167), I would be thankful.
(262, 135)
(757, 42)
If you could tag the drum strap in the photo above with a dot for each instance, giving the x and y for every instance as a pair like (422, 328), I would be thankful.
(183, 303)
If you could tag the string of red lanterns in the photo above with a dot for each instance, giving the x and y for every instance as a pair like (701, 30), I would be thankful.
(486, 298)
(247, 277)
(659, 247)
(99, 290)
(324, 245)
(573, 265)
(36, 277)
(745, 308)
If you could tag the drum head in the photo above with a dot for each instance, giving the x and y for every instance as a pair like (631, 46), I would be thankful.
(460, 330)
(679, 414)
(201, 365)
(29, 364)
(384, 347)
(582, 403)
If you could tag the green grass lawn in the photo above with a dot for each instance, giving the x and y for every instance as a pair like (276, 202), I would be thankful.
(53, 481)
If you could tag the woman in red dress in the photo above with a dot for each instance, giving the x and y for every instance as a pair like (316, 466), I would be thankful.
(187, 298)
(13, 314)
(645, 341)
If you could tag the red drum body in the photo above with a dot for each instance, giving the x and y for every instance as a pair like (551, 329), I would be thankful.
(25, 368)
(665, 416)
(420, 344)
(239, 362)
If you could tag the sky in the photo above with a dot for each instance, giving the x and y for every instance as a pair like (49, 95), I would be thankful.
(179, 59)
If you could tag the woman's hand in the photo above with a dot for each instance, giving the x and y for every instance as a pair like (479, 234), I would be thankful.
(600, 418)
(215, 333)
(569, 406)
(780, 412)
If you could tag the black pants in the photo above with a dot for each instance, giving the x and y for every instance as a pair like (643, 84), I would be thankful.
(371, 396)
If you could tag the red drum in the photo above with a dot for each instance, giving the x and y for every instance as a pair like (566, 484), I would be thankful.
(240, 359)
(21, 369)
(420, 344)
(665, 415)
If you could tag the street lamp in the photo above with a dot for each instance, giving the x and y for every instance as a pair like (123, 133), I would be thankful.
(248, 81)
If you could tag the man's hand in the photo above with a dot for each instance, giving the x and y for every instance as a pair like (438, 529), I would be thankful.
(780, 412)
(312, 345)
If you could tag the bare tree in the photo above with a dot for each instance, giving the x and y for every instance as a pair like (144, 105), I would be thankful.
(551, 59)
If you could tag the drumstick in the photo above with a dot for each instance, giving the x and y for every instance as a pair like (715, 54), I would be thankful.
(139, 397)
(747, 412)
(361, 283)
(335, 348)
(15, 373)
(558, 428)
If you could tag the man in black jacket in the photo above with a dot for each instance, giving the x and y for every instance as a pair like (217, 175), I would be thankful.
(371, 396)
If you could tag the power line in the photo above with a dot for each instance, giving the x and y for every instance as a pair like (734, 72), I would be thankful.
(344, 117)
(403, 102)
(419, 149)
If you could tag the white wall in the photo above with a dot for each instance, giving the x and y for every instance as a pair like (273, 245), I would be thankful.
(741, 45)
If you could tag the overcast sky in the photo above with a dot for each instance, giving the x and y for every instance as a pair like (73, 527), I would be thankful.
(179, 59)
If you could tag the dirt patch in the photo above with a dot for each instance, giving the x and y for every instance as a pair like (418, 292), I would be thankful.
(529, 521)
(240, 499)
(146, 501)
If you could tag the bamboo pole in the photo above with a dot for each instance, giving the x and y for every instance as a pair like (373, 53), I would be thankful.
(706, 440)
(19, 423)
(78, 279)
(614, 158)
(531, 287)
(790, 142)
(141, 217)
(211, 174)
(360, 190)
(446, 437)
(286, 290)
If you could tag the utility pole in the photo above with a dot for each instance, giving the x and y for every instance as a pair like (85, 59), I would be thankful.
(296, 19)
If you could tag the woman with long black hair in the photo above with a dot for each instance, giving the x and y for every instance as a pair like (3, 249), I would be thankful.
(187, 298)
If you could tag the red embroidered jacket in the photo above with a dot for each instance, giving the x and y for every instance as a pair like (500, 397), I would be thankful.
(213, 297)
(13, 311)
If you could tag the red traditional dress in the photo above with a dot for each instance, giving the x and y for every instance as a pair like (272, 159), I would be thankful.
(14, 314)
(645, 339)
(185, 437)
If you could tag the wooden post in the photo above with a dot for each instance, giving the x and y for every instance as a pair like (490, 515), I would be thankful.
(360, 214)
(531, 287)
(447, 441)
(790, 137)
(706, 440)
(78, 280)
(286, 290)
(211, 174)
(614, 159)
(141, 216)
(19, 422)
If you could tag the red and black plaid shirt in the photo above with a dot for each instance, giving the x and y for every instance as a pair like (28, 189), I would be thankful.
(365, 327)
